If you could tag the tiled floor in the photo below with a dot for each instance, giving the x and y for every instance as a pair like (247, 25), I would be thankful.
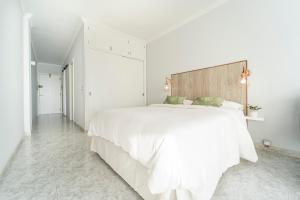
(56, 164)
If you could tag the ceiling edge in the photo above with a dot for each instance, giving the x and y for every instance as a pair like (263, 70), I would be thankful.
(192, 18)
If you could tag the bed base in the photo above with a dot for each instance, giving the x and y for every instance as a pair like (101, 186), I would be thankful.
(131, 170)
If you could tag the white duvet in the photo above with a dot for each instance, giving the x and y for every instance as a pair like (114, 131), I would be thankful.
(183, 146)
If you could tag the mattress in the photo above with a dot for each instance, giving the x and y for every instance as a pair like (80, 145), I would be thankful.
(131, 170)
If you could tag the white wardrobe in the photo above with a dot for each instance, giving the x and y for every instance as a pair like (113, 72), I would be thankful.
(114, 70)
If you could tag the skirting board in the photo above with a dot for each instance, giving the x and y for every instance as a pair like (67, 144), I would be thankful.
(279, 150)
(12, 156)
(82, 129)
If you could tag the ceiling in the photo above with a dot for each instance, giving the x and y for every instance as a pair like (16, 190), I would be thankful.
(55, 22)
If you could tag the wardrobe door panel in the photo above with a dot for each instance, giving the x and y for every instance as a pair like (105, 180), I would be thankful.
(113, 82)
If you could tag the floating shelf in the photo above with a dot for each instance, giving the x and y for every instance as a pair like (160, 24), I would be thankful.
(261, 119)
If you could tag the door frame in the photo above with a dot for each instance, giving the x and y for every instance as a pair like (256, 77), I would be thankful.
(64, 92)
(71, 89)
(38, 94)
(68, 90)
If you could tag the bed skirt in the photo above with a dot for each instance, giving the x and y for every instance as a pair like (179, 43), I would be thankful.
(132, 171)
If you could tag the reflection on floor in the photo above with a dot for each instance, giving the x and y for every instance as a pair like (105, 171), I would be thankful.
(55, 163)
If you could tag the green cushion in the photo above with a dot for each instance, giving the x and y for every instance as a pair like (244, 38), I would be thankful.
(174, 100)
(209, 101)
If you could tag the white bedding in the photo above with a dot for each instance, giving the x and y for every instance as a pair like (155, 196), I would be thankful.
(183, 146)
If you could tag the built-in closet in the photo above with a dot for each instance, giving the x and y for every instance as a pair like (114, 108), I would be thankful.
(114, 70)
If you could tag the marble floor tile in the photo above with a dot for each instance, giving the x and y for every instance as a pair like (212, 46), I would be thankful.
(55, 163)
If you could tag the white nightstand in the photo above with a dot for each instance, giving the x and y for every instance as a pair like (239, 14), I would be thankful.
(261, 119)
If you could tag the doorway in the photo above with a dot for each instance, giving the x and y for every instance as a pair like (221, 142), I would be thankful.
(68, 91)
(49, 97)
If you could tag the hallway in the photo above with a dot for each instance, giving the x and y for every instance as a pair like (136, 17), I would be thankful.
(56, 164)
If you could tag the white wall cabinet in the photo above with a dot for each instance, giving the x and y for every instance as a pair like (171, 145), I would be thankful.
(114, 70)
(137, 49)
(113, 82)
(108, 40)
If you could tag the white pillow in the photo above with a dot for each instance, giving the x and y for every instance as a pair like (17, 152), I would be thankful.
(233, 105)
(187, 102)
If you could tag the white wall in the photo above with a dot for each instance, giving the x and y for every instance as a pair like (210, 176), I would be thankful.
(77, 55)
(11, 80)
(263, 32)
(26, 44)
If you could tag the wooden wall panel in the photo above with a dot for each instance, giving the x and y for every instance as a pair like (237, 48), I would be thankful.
(222, 81)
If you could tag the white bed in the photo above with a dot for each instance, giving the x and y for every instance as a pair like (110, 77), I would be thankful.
(172, 151)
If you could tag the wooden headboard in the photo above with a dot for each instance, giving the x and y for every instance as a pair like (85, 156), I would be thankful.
(221, 81)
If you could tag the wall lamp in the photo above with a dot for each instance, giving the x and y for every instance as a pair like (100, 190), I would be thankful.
(168, 84)
(245, 74)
